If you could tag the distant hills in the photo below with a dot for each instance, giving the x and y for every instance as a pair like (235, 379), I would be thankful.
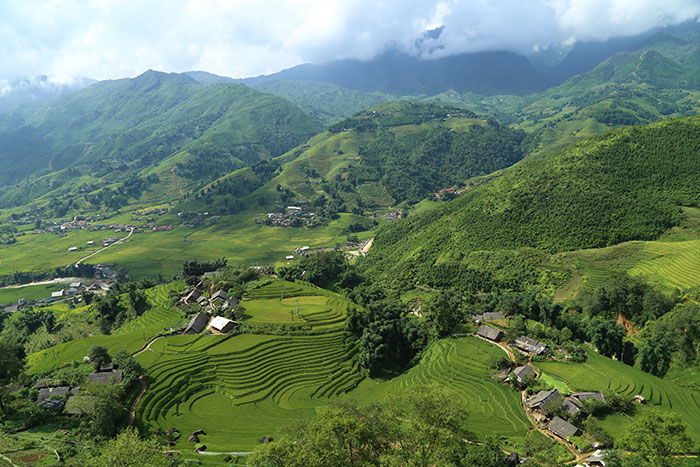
(116, 129)
(36, 89)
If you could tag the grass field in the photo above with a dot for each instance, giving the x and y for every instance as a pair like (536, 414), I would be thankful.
(30, 292)
(132, 336)
(603, 374)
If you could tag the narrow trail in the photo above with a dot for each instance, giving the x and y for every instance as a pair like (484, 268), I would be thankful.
(103, 249)
(58, 280)
(8, 460)
(132, 411)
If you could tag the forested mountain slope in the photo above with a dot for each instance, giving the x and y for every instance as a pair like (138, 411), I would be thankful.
(624, 185)
(118, 128)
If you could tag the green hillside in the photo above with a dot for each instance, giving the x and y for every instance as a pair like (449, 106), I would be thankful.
(629, 184)
(108, 134)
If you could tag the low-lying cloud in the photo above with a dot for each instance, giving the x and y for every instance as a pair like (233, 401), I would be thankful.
(116, 38)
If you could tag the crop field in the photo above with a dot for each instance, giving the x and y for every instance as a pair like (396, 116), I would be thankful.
(241, 388)
(673, 265)
(131, 337)
(603, 374)
(462, 364)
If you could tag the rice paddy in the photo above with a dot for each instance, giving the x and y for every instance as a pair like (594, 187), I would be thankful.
(603, 374)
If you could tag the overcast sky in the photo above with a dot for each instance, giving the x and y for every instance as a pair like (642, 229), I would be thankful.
(118, 38)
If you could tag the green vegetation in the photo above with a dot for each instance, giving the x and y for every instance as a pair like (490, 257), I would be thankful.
(626, 185)
(599, 373)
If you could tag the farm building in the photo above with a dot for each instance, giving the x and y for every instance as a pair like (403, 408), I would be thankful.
(222, 325)
(73, 248)
(106, 377)
(530, 345)
(232, 302)
(489, 333)
(52, 398)
(219, 296)
(542, 399)
(57, 294)
(562, 428)
(489, 316)
(193, 296)
(197, 324)
(76, 285)
(569, 407)
(523, 372)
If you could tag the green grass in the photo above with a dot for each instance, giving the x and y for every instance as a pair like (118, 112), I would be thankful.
(603, 374)
(30, 292)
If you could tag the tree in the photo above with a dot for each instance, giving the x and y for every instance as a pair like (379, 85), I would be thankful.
(105, 410)
(128, 450)
(443, 314)
(98, 356)
(607, 337)
(655, 435)
(427, 425)
(131, 369)
(655, 355)
(11, 365)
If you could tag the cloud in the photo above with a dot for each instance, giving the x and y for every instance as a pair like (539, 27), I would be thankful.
(117, 38)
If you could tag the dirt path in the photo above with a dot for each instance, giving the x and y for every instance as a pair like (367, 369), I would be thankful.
(58, 280)
(103, 249)
(132, 411)
(147, 346)
(8, 460)
(621, 320)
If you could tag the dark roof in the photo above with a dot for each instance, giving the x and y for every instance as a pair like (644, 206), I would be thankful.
(562, 428)
(107, 367)
(489, 333)
(219, 295)
(530, 345)
(45, 393)
(106, 377)
(193, 295)
(524, 371)
(12, 308)
(197, 324)
(584, 396)
(542, 398)
(78, 405)
(490, 316)
(570, 407)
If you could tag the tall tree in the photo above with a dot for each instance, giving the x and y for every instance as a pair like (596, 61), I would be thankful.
(656, 435)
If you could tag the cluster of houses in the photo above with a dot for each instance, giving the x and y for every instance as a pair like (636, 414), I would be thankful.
(68, 399)
(293, 216)
(543, 404)
(193, 220)
(219, 301)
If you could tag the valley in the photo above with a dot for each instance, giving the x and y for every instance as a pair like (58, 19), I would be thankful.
(338, 263)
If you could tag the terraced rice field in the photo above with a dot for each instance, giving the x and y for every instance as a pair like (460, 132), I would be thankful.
(131, 337)
(674, 264)
(241, 388)
(603, 374)
(462, 364)
(277, 302)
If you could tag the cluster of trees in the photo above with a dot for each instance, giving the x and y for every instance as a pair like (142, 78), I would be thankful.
(196, 268)
(113, 309)
(329, 269)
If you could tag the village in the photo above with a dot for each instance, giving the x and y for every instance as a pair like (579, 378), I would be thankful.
(550, 411)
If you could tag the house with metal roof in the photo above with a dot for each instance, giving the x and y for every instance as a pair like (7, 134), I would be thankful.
(222, 325)
(543, 399)
(489, 333)
(489, 316)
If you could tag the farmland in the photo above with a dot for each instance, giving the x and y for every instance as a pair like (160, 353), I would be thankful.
(603, 374)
